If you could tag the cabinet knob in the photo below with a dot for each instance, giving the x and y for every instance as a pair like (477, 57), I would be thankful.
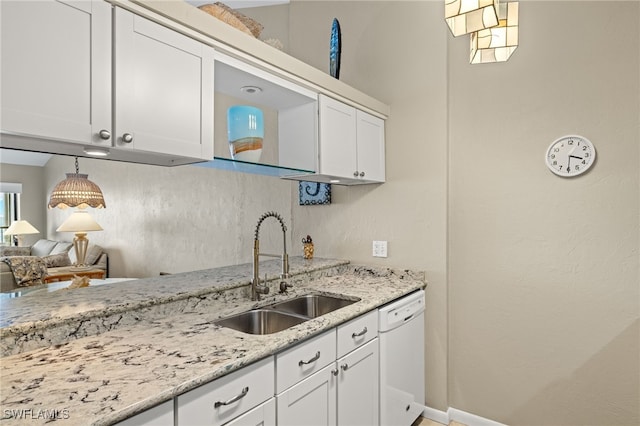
(127, 138)
(361, 174)
(335, 371)
(355, 174)
(344, 367)
(104, 134)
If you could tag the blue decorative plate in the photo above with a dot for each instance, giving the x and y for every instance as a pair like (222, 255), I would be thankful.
(335, 45)
(314, 193)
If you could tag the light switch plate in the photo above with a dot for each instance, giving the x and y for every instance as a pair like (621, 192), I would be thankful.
(379, 249)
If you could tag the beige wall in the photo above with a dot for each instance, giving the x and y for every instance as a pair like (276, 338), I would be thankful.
(537, 275)
(33, 202)
(544, 284)
(396, 52)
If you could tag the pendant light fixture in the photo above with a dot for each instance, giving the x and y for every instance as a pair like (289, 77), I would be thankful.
(467, 16)
(498, 43)
(76, 191)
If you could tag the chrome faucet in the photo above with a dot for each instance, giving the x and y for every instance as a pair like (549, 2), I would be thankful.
(256, 288)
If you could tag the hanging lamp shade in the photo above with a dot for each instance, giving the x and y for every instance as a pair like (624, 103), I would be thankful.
(76, 191)
(467, 16)
(498, 43)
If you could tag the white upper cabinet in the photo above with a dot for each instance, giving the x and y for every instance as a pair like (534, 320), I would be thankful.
(163, 89)
(350, 145)
(56, 69)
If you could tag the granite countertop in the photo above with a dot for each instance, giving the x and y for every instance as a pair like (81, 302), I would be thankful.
(164, 344)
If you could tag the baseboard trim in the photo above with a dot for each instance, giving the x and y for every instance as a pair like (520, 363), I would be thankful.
(436, 415)
(459, 416)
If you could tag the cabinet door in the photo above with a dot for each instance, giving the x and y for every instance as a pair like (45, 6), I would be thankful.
(337, 140)
(371, 156)
(56, 69)
(262, 415)
(160, 415)
(228, 397)
(358, 386)
(163, 89)
(312, 402)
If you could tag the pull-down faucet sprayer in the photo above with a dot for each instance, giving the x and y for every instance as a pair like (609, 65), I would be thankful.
(256, 288)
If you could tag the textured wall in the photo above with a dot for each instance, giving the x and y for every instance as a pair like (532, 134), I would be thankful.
(544, 284)
(542, 287)
(395, 52)
(175, 219)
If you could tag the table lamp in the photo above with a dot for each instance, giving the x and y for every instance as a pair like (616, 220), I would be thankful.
(80, 222)
(20, 228)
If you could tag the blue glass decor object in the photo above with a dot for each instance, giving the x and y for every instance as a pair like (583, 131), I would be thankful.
(314, 193)
(335, 45)
(245, 131)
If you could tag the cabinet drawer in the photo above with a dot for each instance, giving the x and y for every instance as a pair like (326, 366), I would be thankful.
(228, 397)
(357, 332)
(304, 359)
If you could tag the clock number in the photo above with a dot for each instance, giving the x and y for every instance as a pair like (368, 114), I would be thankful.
(584, 148)
(584, 161)
(586, 154)
(553, 156)
(556, 149)
(570, 142)
(577, 167)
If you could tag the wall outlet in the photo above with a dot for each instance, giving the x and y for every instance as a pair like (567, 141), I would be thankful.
(379, 249)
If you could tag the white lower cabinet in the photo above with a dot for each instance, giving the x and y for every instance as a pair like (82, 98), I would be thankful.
(327, 391)
(262, 415)
(310, 402)
(228, 397)
(160, 415)
(358, 386)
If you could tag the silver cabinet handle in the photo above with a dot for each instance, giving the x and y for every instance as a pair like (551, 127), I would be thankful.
(314, 359)
(362, 333)
(104, 134)
(238, 397)
(355, 174)
(344, 367)
(335, 372)
(361, 174)
(127, 138)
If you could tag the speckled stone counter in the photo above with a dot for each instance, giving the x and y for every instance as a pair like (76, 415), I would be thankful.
(165, 342)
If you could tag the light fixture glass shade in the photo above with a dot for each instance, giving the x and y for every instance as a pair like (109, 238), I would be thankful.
(498, 43)
(76, 191)
(467, 16)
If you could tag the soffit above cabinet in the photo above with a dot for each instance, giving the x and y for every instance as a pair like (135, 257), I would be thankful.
(195, 23)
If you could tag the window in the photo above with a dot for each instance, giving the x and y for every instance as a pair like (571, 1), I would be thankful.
(9, 208)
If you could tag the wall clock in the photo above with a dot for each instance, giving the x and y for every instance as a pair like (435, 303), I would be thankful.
(570, 155)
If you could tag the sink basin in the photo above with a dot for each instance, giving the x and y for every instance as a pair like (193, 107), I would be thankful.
(312, 306)
(261, 321)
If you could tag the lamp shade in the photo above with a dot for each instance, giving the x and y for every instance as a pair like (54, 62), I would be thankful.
(21, 227)
(79, 221)
(498, 43)
(76, 191)
(467, 16)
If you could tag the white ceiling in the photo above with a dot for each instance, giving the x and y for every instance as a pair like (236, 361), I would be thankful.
(11, 156)
(240, 4)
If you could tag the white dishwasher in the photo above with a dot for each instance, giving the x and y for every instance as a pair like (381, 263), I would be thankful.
(401, 339)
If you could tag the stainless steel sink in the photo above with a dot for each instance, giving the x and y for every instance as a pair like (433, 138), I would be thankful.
(282, 315)
(312, 306)
(261, 321)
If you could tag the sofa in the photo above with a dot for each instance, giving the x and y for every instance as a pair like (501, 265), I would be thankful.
(56, 256)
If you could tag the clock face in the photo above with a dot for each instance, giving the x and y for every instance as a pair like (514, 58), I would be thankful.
(570, 156)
